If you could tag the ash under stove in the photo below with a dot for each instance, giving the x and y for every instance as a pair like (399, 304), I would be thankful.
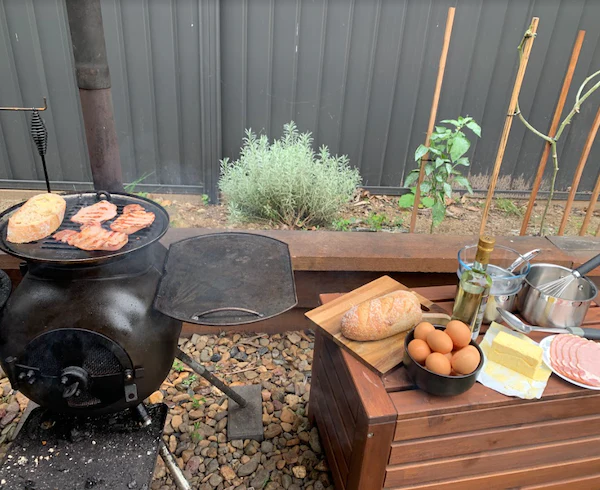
(74, 453)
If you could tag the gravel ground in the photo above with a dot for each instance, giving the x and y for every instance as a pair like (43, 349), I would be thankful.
(290, 457)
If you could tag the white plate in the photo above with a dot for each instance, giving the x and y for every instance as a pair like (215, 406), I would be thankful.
(545, 345)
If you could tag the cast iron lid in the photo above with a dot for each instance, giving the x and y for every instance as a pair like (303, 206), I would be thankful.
(52, 251)
(226, 279)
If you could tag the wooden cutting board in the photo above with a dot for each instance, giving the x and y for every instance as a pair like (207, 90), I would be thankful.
(380, 355)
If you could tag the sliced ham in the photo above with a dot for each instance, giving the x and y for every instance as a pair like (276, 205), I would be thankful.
(588, 361)
(64, 235)
(96, 213)
(576, 358)
(93, 237)
(134, 218)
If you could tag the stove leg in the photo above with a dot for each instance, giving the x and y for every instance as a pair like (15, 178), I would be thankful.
(165, 454)
(213, 380)
(244, 420)
(180, 482)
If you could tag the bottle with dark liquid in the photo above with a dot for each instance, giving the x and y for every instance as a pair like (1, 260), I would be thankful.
(474, 288)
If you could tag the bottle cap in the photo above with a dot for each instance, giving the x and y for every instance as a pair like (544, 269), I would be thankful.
(484, 249)
(486, 243)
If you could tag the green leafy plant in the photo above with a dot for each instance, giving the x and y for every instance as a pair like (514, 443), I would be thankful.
(376, 221)
(131, 187)
(286, 181)
(196, 436)
(197, 402)
(205, 199)
(508, 207)
(178, 366)
(553, 140)
(343, 224)
(446, 151)
(189, 380)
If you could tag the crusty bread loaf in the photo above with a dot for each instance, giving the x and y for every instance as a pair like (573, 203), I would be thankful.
(382, 317)
(38, 218)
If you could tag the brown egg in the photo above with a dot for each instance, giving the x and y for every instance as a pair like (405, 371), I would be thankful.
(449, 355)
(466, 360)
(423, 329)
(418, 350)
(439, 342)
(459, 332)
(438, 363)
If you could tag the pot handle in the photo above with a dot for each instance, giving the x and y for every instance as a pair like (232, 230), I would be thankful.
(590, 265)
(588, 333)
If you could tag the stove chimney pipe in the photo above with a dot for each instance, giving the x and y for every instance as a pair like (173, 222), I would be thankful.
(93, 80)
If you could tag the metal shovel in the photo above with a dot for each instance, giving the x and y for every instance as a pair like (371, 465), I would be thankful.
(514, 322)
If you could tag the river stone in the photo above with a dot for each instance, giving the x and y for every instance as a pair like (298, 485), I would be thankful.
(248, 468)
(260, 479)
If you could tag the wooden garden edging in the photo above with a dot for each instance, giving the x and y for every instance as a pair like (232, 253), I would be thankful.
(326, 261)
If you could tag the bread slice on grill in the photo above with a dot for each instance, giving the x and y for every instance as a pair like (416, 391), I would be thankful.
(38, 218)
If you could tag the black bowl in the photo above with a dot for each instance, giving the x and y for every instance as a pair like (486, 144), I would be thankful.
(438, 384)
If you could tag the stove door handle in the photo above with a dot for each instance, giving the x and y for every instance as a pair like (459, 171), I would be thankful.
(70, 390)
(197, 316)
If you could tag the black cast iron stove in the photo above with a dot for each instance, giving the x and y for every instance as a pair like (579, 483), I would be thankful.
(95, 333)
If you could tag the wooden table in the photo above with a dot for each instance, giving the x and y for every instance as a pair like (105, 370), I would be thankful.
(383, 432)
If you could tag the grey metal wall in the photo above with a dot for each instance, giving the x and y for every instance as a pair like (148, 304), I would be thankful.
(189, 76)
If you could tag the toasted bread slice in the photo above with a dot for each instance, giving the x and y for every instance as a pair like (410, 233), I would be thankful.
(38, 218)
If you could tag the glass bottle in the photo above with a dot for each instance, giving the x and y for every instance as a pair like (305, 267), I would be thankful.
(474, 288)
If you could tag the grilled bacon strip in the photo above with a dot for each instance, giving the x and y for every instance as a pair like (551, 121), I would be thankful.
(93, 237)
(96, 213)
(134, 218)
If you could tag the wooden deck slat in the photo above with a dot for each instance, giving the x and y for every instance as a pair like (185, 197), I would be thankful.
(343, 426)
(500, 416)
(552, 453)
(339, 474)
(493, 439)
(339, 369)
(326, 426)
(377, 404)
(516, 478)
(590, 482)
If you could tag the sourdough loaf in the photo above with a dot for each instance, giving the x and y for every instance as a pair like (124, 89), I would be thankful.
(38, 218)
(382, 317)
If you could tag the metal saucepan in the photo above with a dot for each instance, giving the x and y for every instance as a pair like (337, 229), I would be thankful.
(547, 311)
(506, 283)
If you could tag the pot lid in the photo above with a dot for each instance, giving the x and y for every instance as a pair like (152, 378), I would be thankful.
(226, 279)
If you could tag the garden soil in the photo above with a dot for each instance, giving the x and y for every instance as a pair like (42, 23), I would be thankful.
(378, 213)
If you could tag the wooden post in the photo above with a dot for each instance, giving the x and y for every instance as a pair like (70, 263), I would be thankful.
(509, 119)
(433, 113)
(553, 127)
(577, 177)
(591, 207)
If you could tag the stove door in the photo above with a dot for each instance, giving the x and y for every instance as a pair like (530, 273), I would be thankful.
(227, 279)
(74, 369)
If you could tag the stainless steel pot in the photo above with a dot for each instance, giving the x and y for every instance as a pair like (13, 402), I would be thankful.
(507, 302)
(547, 311)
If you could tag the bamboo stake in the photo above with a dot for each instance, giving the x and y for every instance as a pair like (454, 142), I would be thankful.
(579, 171)
(591, 207)
(433, 113)
(529, 38)
(553, 127)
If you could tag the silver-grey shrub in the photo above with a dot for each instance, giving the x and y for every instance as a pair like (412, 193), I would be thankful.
(287, 181)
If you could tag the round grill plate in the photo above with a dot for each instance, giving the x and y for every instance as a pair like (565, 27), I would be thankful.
(52, 251)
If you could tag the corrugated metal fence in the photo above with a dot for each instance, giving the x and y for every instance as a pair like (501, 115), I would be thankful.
(189, 75)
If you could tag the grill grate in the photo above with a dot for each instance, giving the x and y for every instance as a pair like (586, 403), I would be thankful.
(53, 251)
